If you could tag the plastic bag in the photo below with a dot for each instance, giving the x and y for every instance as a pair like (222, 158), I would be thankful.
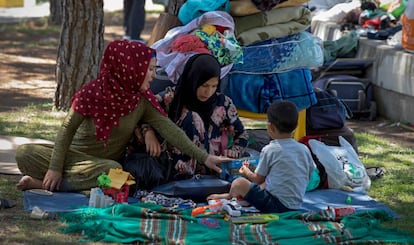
(342, 164)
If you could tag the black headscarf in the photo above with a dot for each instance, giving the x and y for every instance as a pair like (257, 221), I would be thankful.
(198, 70)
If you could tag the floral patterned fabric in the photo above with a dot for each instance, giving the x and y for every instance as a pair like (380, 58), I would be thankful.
(225, 131)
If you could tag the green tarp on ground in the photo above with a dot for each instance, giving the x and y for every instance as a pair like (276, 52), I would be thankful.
(150, 223)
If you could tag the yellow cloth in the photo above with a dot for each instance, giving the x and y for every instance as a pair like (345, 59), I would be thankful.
(252, 115)
(300, 130)
(119, 178)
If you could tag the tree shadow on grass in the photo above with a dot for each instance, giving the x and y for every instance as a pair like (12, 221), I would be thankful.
(11, 100)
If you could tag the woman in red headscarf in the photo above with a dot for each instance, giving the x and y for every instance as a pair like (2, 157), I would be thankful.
(104, 113)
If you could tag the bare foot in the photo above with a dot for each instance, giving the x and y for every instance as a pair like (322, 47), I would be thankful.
(219, 196)
(27, 182)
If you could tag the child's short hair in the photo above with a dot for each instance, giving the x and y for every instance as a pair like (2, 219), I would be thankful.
(283, 115)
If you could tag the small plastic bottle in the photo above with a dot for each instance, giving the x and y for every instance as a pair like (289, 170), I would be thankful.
(348, 200)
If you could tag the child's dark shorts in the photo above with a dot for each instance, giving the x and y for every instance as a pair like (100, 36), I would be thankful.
(264, 201)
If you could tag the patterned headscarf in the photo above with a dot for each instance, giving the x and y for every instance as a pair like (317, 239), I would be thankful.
(115, 93)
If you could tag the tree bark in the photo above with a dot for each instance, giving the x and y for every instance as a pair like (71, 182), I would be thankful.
(166, 21)
(55, 16)
(174, 6)
(80, 48)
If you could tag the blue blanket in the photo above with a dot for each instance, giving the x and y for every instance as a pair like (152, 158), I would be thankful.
(301, 50)
(256, 92)
(314, 200)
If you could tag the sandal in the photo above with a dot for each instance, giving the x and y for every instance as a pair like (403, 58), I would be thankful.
(6, 204)
(375, 172)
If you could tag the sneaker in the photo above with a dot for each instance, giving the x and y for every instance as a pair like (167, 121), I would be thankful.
(242, 202)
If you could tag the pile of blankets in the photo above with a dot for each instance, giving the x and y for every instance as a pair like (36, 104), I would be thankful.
(264, 48)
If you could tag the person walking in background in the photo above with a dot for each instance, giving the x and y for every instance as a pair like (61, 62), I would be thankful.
(134, 19)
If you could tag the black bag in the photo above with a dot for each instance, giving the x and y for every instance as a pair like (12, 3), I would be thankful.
(148, 171)
(196, 188)
(328, 113)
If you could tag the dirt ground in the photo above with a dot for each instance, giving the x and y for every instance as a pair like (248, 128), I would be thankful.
(27, 72)
(28, 59)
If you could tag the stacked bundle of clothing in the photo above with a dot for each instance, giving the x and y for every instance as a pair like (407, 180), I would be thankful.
(207, 28)
(278, 53)
(264, 47)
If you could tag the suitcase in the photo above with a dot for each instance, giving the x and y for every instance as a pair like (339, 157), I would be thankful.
(344, 66)
(355, 92)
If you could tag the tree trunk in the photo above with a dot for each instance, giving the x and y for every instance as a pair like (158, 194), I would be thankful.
(166, 21)
(174, 6)
(55, 16)
(80, 48)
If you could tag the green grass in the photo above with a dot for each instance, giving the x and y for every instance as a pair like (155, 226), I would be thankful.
(16, 226)
(33, 121)
(395, 188)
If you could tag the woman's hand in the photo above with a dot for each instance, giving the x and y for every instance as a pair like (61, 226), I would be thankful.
(153, 146)
(52, 180)
(231, 153)
(212, 161)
